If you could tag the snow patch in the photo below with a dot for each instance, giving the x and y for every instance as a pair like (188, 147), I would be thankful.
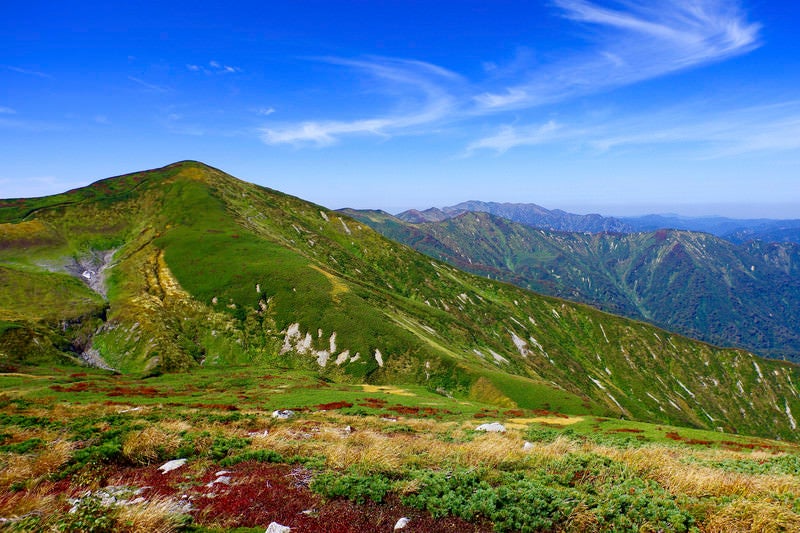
(675, 405)
(604, 334)
(342, 358)
(323, 215)
(758, 369)
(379, 357)
(792, 421)
(555, 314)
(346, 229)
(522, 346)
(497, 357)
(653, 398)
(684, 388)
(596, 382)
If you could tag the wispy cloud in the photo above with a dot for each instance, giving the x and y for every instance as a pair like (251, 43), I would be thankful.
(29, 72)
(149, 86)
(213, 67)
(510, 137)
(7, 111)
(427, 83)
(635, 42)
(630, 42)
(264, 111)
(706, 135)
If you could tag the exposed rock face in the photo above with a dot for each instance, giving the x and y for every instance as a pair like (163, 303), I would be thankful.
(91, 269)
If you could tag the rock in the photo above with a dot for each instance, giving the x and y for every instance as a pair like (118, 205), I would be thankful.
(275, 527)
(283, 414)
(169, 466)
(225, 480)
(222, 473)
(494, 427)
(402, 523)
(528, 446)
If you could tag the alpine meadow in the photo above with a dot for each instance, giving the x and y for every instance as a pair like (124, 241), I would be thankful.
(204, 303)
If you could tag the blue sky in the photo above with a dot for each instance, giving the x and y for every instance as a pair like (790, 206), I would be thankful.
(617, 107)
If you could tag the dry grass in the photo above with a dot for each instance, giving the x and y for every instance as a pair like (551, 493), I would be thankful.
(14, 505)
(748, 516)
(31, 468)
(664, 465)
(149, 445)
(157, 515)
(487, 451)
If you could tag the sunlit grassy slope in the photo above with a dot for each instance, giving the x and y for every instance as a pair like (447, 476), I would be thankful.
(210, 270)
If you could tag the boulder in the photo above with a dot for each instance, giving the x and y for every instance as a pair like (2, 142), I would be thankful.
(493, 427)
(402, 523)
(169, 466)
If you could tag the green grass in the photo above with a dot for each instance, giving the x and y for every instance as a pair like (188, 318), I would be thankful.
(188, 234)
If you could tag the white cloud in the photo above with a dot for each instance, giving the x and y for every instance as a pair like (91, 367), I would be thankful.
(433, 102)
(701, 134)
(29, 72)
(214, 67)
(7, 111)
(635, 43)
(510, 137)
(265, 111)
(149, 86)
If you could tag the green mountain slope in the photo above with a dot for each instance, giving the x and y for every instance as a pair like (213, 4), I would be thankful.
(693, 283)
(199, 268)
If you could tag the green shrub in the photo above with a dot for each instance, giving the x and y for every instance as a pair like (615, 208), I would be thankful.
(352, 486)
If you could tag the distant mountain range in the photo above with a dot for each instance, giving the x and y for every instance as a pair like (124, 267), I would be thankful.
(733, 230)
(745, 295)
(182, 266)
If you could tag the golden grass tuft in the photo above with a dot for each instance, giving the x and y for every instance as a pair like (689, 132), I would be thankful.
(14, 505)
(30, 468)
(664, 465)
(149, 445)
(157, 515)
(748, 516)
(489, 450)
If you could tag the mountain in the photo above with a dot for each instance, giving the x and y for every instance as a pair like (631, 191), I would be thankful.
(529, 214)
(186, 266)
(734, 230)
(731, 229)
(693, 283)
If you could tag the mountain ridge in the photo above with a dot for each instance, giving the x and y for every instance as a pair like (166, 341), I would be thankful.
(737, 231)
(211, 270)
(694, 283)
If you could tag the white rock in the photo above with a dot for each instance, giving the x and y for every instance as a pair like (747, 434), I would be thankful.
(402, 523)
(528, 446)
(169, 466)
(222, 473)
(283, 414)
(275, 527)
(225, 480)
(494, 427)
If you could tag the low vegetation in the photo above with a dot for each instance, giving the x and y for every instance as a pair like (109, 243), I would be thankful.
(75, 456)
